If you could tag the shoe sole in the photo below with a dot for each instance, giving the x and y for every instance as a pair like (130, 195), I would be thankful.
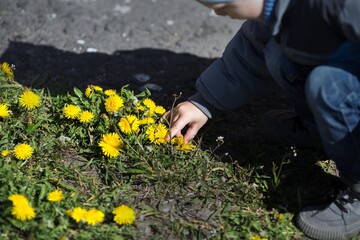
(326, 233)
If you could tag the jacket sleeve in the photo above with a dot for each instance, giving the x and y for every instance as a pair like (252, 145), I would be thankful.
(239, 76)
(350, 20)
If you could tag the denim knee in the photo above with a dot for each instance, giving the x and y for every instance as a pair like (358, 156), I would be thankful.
(326, 87)
(333, 95)
(316, 85)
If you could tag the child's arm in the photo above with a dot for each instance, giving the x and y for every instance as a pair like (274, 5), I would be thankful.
(230, 82)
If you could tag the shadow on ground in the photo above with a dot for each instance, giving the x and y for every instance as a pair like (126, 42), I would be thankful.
(41, 66)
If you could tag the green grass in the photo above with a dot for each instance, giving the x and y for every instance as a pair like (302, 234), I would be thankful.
(195, 194)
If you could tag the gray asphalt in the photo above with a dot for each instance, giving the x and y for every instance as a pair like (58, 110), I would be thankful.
(107, 26)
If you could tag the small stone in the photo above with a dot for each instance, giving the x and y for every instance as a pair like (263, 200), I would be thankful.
(91, 50)
(122, 9)
(167, 206)
(142, 78)
(52, 16)
(80, 41)
(151, 86)
(170, 22)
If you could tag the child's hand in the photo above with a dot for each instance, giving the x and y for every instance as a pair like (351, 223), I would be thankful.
(185, 114)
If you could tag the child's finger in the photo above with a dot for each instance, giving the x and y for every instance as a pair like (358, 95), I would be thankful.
(191, 133)
(171, 115)
(176, 128)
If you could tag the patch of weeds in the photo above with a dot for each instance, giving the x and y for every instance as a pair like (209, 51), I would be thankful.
(101, 150)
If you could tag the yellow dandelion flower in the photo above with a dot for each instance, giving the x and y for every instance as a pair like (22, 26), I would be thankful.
(97, 88)
(78, 214)
(23, 151)
(257, 237)
(69, 212)
(147, 120)
(160, 110)
(113, 103)
(150, 132)
(89, 91)
(177, 140)
(150, 104)
(71, 111)
(180, 144)
(129, 124)
(55, 196)
(5, 67)
(86, 116)
(94, 216)
(21, 209)
(157, 133)
(139, 107)
(280, 217)
(4, 111)
(91, 88)
(110, 92)
(23, 213)
(29, 99)
(18, 200)
(124, 215)
(186, 147)
(111, 144)
(5, 153)
(109, 150)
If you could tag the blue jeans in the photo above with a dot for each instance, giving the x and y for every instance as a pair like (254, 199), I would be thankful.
(327, 98)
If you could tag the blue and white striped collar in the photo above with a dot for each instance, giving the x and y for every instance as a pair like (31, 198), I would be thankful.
(269, 10)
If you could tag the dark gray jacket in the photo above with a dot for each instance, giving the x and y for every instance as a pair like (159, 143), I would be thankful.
(310, 32)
